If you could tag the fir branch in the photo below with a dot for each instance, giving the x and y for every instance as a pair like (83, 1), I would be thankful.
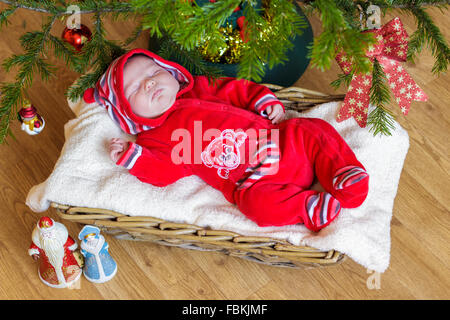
(269, 38)
(11, 98)
(34, 45)
(342, 79)
(340, 19)
(5, 14)
(251, 65)
(87, 80)
(134, 35)
(284, 24)
(206, 21)
(189, 25)
(380, 120)
(64, 51)
(98, 52)
(30, 61)
(323, 51)
(339, 35)
(405, 4)
(350, 12)
(428, 33)
(191, 60)
(95, 51)
(355, 44)
(379, 92)
(159, 16)
(87, 6)
(29, 5)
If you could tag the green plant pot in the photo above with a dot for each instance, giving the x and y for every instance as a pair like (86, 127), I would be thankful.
(285, 74)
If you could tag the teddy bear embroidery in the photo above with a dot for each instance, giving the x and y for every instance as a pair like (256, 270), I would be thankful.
(223, 152)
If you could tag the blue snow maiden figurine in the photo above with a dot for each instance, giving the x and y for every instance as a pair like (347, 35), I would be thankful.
(99, 266)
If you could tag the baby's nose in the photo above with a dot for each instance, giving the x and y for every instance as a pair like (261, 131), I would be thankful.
(149, 83)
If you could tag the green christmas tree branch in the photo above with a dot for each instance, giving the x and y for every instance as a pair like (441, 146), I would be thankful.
(343, 79)
(192, 59)
(28, 63)
(380, 119)
(339, 35)
(5, 14)
(184, 24)
(189, 25)
(428, 33)
(99, 52)
(268, 39)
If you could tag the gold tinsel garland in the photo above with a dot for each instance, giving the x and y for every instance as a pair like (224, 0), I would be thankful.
(232, 49)
(230, 52)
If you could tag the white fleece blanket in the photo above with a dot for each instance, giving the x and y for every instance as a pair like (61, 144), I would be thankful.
(85, 176)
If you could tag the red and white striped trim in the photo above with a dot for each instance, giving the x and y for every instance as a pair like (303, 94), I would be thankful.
(264, 102)
(322, 208)
(130, 156)
(347, 176)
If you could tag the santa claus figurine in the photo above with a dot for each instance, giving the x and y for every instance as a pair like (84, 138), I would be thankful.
(53, 246)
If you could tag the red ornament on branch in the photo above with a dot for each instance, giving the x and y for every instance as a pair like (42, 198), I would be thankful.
(242, 24)
(389, 51)
(77, 37)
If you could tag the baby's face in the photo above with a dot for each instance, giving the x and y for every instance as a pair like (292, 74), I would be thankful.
(149, 88)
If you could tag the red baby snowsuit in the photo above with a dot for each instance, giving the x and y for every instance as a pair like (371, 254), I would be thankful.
(221, 133)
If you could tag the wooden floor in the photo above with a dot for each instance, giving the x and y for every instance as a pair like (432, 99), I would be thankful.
(420, 260)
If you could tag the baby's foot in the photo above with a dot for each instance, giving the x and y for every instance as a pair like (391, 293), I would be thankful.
(322, 208)
(348, 176)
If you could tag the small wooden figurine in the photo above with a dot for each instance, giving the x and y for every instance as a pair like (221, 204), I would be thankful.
(99, 266)
(32, 122)
(53, 247)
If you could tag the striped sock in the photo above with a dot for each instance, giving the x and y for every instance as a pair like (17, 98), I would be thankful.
(347, 176)
(322, 208)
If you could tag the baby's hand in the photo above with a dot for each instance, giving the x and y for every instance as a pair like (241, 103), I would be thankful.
(275, 113)
(117, 147)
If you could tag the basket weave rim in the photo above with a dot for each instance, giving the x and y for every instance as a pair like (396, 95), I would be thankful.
(181, 234)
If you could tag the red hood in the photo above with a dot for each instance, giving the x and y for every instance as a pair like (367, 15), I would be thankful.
(109, 92)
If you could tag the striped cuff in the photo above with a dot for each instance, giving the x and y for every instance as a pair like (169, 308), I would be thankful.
(348, 176)
(264, 102)
(130, 156)
(322, 209)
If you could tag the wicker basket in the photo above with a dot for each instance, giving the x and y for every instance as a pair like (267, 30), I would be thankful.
(265, 250)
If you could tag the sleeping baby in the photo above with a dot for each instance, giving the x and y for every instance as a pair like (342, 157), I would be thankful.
(232, 134)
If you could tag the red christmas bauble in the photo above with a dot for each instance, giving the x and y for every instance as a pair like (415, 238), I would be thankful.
(77, 37)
